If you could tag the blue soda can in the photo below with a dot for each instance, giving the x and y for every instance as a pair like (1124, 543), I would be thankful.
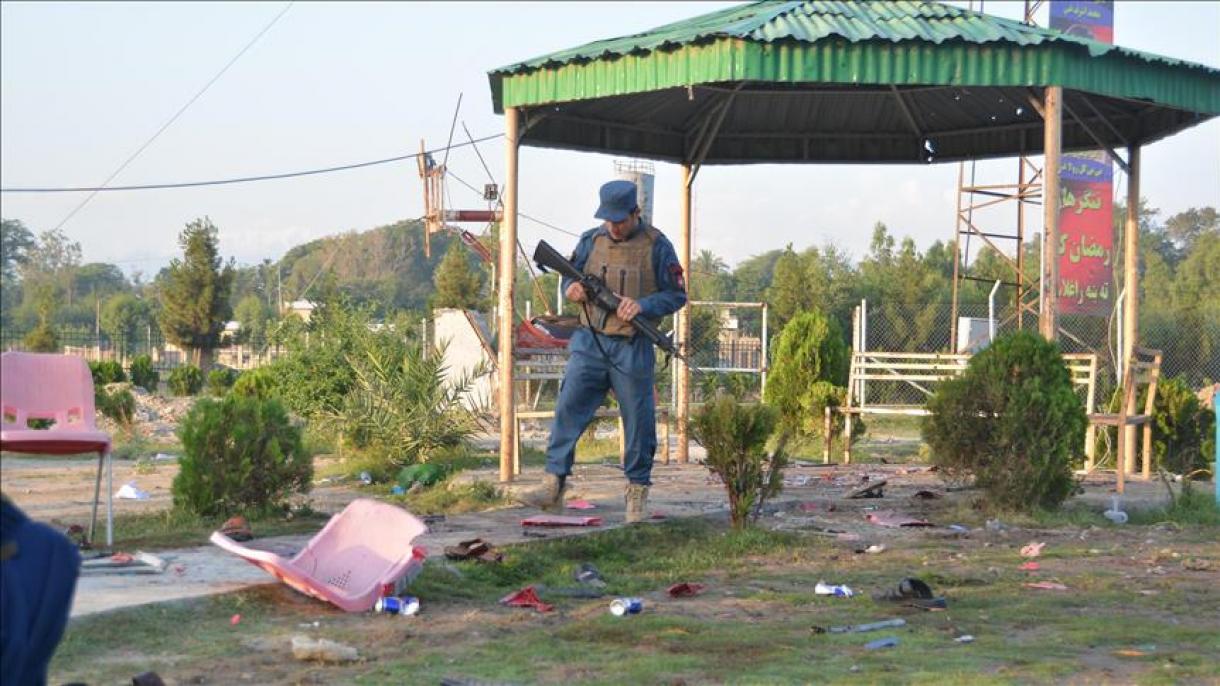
(626, 606)
(406, 605)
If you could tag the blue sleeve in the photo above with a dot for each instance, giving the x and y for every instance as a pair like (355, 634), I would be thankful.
(671, 282)
(580, 256)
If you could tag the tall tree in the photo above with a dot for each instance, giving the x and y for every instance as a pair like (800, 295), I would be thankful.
(195, 293)
(123, 318)
(16, 242)
(457, 284)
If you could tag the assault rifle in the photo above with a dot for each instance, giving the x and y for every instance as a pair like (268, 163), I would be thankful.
(600, 295)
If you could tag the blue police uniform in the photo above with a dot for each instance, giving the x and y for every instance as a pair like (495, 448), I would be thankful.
(622, 363)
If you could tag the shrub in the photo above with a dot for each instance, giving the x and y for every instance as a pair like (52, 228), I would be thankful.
(143, 374)
(255, 383)
(735, 436)
(240, 455)
(41, 339)
(106, 371)
(401, 406)
(221, 380)
(1011, 422)
(115, 402)
(185, 380)
(809, 372)
(1183, 430)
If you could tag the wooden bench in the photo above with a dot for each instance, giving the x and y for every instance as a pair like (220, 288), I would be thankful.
(1144, 369)
(922, 371)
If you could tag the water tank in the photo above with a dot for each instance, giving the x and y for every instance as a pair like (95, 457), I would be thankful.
(641, 173)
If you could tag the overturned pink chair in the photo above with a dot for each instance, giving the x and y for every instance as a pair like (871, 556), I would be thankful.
(362, 554)
(59, 388)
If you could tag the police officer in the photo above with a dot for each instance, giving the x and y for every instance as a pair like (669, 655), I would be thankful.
(639, 264)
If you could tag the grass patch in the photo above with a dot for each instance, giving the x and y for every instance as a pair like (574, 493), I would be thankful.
(1189, 506)
(449, 497)
(175, 528)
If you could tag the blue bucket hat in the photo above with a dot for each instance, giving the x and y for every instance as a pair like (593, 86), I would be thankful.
(618, 201)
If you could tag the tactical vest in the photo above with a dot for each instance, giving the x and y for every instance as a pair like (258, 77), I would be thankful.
(626, 267)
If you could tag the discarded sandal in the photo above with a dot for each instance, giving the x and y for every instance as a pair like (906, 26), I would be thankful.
(915, 593)
(238, 529)
(474, 549)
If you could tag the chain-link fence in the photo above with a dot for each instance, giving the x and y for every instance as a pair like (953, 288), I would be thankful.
(1191, 342)
(728, 347)
(165, 355)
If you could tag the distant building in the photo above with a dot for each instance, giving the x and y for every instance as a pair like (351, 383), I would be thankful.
(301, 308)
(736, 349)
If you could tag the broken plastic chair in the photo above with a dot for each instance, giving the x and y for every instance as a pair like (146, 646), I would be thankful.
(362, 553)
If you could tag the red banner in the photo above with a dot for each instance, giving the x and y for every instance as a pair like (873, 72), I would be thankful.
(1086, 209)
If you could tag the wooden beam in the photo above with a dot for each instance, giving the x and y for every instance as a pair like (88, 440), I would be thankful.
(910, 117)
(508, 271)
(704, 146)
(1052, 145)
(1097, 139)
(683, 319)
(1131, 246)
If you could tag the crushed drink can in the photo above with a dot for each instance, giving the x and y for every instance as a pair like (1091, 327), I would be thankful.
(406, 605)
(626, 606)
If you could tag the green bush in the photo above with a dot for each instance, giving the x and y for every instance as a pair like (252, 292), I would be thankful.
(143, 374)
(1011, 422)
(735, 436)
(117, 403)
(41, 339)
(185, 380)
(221, 380)
(240, 455)
(809, 372)
(255, 383)
(106, 371)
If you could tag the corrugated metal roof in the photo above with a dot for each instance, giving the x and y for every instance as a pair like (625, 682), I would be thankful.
(852, 20)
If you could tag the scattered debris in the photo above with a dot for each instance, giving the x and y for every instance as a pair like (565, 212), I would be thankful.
(560, 520)
(397, 490)
(129, 491)
(147, 679)
(685, 589)
(887, 642)
(958, 528)
(1030, 567)
(865, 628)
(1115, 513)
(875, 549)
(588, 575)
(621, 607)
(474, 549)
(914, 592)
(528, 533)
(124, 563)
(580, 505)
(995, 525)
(893, 519)
(1130, 653)
(926, 495)
(526, 597)
(366, 478)
(1046, 586)
(1032, 550)
(964, 638)
(405, 606)
(870, 490)
(839, 590)
(322, 650)
(238, 529)
(235, 620)
(1197, 564)
(433, 519)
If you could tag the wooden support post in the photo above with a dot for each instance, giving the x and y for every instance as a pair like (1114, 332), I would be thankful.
(1048, 323)
(508, 254)
(1090, 406)
(827, 422)
(683, 320)
(1131, 245)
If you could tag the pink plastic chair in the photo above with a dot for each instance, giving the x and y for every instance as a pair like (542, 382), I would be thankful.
(58, 387)
(362, 554)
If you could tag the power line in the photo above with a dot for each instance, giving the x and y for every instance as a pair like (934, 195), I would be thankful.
(241, 179)
(174, 118)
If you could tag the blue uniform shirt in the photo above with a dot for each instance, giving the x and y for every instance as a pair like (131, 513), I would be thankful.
(671, 283)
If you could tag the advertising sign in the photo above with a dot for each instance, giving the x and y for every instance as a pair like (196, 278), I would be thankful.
(1086, 209)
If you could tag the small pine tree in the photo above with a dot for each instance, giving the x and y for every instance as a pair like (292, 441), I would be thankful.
(457, 284)
(195, 295)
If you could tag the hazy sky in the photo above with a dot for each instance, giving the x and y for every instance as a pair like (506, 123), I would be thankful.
(83, 85)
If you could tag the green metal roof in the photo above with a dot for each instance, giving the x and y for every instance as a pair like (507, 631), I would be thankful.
(853, 81)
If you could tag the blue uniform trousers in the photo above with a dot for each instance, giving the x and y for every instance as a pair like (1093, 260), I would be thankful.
(589, 375)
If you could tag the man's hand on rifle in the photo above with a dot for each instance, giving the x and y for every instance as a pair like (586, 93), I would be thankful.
(575, 292)
(628, 308)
